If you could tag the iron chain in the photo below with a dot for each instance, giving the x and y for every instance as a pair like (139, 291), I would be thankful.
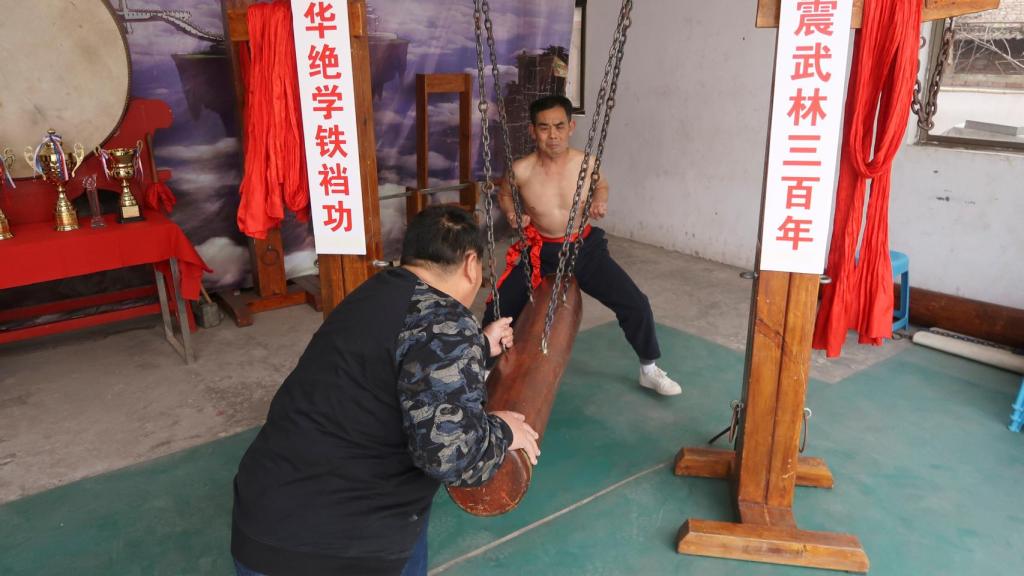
(485, 135)
(927, 108)
(506, 140)
(602, 116)
(595, 174)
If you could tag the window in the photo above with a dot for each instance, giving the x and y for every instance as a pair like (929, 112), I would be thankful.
(577, 60)
(980, 102)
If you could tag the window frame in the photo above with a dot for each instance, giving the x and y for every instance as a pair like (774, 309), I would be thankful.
(933, 41)
(580, 108)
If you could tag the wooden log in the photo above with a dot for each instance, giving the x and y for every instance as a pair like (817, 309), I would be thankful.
(768, 10)
(525, 380)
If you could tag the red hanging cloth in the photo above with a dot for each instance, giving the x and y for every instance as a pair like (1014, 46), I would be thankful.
(275, 165)
(881, 89)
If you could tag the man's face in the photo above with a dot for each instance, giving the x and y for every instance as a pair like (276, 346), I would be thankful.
(552, 130)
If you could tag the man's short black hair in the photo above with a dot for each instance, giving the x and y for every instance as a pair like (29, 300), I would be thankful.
(547, 103)
(441, 235)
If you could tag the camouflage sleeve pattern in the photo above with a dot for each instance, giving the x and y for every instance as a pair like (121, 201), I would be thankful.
(441, 389)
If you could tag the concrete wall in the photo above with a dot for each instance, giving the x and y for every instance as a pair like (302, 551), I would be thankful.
(685, 157)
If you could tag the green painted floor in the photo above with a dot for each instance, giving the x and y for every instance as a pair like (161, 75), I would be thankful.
(927, 475)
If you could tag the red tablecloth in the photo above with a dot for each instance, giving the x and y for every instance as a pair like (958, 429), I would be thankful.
(38, 253)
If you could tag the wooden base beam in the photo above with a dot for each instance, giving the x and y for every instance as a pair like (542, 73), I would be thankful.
(773, 544)
(713, 463)
(768, 10)
(242, 306)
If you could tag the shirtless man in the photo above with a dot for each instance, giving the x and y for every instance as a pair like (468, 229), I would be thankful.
(547, 182)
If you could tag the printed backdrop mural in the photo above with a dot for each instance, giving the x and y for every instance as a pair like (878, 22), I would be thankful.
(416, 36)
(179, 55)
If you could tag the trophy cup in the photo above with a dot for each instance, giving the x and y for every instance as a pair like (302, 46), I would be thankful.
(51, 162)
(6, 163)
(124, 164)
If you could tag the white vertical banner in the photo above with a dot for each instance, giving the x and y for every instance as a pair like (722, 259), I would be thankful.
(323, 54)
(806, 131)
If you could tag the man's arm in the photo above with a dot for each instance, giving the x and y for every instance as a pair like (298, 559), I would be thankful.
(441, 391)
(505, 197)
(507, 204)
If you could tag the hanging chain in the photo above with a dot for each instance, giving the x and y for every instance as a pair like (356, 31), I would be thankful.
(595, 174)
(486, 150)
(615, 55)
(926, 109)
(517, 203)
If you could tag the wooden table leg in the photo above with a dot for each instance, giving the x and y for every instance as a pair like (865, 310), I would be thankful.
(184, 346)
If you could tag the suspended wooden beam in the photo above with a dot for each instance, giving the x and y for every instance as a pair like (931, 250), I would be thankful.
(768, 10)
(525, 380)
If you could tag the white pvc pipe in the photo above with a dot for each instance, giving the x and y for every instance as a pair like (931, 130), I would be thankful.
(980, 353)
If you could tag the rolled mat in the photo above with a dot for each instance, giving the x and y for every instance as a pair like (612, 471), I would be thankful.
(978, 352)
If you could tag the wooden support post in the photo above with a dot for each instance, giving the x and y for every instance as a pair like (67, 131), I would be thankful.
(340, 275)
(766, 466)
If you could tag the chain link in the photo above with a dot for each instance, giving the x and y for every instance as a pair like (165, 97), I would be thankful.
(506, 140)
(485, 135)
(926, 109)
(602, 116)
(595, 174)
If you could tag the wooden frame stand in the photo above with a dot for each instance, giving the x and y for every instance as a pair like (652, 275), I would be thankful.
(427, 84)
(339, 274)
(766, 466)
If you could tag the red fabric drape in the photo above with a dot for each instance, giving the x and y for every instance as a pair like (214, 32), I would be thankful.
(535, 241)
(158, 196)
(877, 108)
(275, 166)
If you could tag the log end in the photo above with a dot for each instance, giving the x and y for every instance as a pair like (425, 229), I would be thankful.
(501, 493)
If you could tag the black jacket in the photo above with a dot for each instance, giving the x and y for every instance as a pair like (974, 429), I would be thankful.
(385, 404)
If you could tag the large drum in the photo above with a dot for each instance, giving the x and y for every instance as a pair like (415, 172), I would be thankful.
(65, 66)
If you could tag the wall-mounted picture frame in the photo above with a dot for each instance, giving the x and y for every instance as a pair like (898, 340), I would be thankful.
(575, 84)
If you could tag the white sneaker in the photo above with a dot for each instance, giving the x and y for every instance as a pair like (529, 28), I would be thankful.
(659, 381)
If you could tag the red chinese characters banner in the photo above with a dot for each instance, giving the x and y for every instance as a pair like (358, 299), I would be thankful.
(807, 124)
(324, 57)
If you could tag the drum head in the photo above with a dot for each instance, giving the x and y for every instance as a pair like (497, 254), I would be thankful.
(65, 67)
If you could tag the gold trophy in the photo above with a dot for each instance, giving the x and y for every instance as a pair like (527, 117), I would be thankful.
(51, 162)
(124, 164)
(6, 163)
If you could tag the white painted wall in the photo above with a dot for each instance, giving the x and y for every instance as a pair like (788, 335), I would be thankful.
(685, 157)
